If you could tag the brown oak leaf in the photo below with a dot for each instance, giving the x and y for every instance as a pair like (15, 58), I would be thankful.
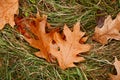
(69, 48)
(110, 30)
(34, 31)
(117, 67)
(7, 10)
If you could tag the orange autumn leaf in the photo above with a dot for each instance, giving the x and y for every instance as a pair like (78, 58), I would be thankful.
(117, 67)
(7, 10)
(67, 50)
(34, 31)
(110, 30)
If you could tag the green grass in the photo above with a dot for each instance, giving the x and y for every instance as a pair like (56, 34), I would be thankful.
(17, 59)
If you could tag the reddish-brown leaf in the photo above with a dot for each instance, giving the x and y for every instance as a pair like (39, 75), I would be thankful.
(66, 50)
(22, 27)
(7, 10)
(100, 19)
(0, 62)
(113, 0)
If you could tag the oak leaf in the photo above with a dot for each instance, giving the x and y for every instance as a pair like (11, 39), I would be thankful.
(69, 48)
(7, 10)
(110, 30)
(117, 67)
(34, 31)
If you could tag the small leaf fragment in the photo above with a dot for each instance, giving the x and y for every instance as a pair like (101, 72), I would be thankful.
(117, 67)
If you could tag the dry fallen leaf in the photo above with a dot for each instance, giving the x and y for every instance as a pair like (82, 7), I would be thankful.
(0, 62)
(113, 0)
(69, 48)
(34, 31)
(7, 10)
(110, 30)
(100, 19)
(117, 67)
